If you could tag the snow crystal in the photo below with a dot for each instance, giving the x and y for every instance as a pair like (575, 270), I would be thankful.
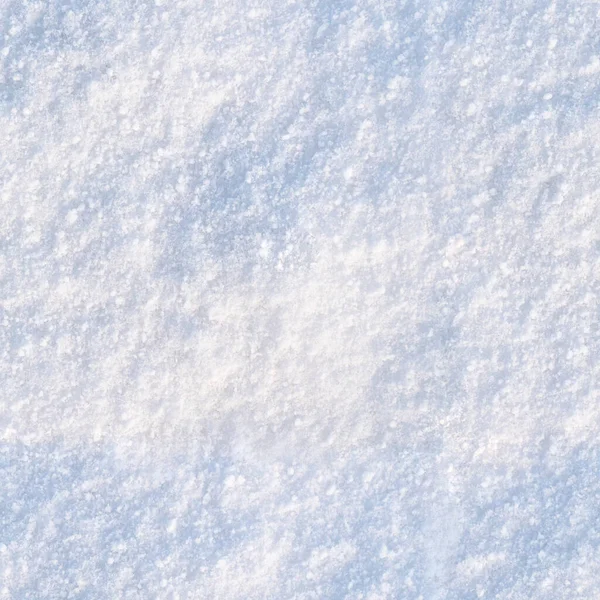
(299, 299)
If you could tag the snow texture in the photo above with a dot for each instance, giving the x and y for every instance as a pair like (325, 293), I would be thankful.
(299, 299)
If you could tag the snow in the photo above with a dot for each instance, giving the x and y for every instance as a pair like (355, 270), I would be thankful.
(299, 299)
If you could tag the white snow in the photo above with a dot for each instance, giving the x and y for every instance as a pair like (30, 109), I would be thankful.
(299, 299)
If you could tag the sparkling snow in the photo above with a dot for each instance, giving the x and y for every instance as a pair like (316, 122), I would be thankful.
(299, 299)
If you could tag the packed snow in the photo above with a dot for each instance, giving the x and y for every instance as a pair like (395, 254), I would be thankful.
(299, 299)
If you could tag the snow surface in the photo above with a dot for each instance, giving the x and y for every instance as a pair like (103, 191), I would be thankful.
(299, 299)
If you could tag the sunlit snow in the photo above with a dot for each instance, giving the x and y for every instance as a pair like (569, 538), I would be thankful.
(299, 299)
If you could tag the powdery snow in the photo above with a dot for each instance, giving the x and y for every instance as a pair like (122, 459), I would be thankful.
(299, 299)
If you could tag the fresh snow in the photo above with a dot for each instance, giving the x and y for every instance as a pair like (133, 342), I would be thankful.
(299, 299)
